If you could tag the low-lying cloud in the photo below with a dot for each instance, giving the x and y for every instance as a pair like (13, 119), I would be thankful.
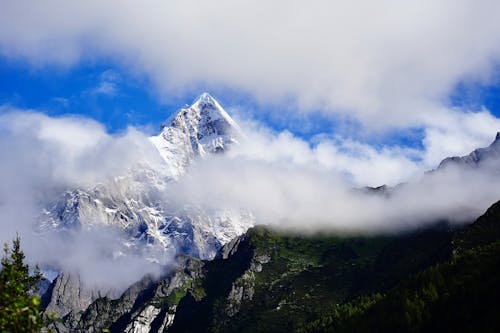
(309, 197)
(284, 181)
(41, 158)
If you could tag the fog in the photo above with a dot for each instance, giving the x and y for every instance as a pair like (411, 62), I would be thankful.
(41, 157)
(310, 198)
(283, 180)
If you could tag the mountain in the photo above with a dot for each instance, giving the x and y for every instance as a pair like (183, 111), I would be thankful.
(477, 158)
(229, 278)
(203, 128)
(480, 162)
(269, 281)
(135, 204)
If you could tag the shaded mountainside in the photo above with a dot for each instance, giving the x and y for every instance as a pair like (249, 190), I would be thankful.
(460, 295)
(268, 281)
(415, 282)
(287, 281)
(147, 306)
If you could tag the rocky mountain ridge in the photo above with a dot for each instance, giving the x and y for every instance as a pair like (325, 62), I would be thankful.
(250, 278)
(135, 204)
(268, 281)
(476, 158)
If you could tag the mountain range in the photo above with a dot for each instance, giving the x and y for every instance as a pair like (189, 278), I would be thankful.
(230, 276)
(134, 203)
(432, 279)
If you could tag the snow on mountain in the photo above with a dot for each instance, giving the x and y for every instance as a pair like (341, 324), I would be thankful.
(200, 129)
(136, 205)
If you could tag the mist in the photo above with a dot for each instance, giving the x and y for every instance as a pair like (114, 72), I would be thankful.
(291, 184)
(42, 157)
(305, 200)
(285, 182)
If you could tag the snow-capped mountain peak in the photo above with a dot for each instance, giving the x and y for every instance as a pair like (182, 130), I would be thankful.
(202, 128)
(136, 205)
(205, 116)
(209, 107)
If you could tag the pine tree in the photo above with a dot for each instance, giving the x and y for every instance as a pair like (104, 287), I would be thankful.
(19, 307)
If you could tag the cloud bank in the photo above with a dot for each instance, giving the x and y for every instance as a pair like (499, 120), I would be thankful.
(41, 158)
(289, 185)
(387, 64)
(284, 181)
(363, 163)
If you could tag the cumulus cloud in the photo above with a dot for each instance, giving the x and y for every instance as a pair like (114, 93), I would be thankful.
(385, 63)
(70, 150)
(360, 161)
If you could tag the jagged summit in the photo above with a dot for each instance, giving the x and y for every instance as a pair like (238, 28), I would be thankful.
(135, 204)
(194, 131)
(205, 100)
(207, 109)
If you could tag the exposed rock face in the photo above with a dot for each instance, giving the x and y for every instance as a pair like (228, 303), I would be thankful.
(230, 248)
(104, 311)
(243, 288)
(147, 306)
(141, 323)
(133, 206)
(66, 294)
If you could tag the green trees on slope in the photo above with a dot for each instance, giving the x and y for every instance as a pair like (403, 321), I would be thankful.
(460, 295)
(19, 307)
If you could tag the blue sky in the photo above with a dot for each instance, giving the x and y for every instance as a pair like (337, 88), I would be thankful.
(103, 92)
(111, 95)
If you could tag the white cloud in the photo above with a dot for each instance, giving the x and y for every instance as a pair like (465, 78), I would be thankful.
(385, 63)
(457, 133)
(364, 164)
(41, 158)
(302, 197)
(283, 180)
(360, 163)
(68, 150)
(107, 85)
